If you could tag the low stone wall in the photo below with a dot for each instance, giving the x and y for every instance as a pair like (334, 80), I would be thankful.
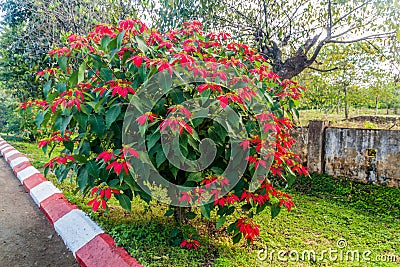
(365, 155)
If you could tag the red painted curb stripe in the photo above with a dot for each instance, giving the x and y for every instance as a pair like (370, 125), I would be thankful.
(8, 149)
(33, 181)
(101, 251)
(56, 206)
(21, 167)
(18, 155)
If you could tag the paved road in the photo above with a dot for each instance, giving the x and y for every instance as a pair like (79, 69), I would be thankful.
(26, 237)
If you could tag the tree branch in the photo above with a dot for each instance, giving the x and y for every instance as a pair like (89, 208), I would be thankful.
(328, 70)
(369, 37)
(351, 11)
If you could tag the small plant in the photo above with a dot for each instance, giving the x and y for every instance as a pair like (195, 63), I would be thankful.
(369, 125)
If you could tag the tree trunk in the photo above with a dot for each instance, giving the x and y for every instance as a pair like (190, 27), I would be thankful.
(376, 105)
(179, 214)
(387, 108)
(346, 104)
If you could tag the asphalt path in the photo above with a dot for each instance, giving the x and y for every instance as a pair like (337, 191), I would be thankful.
(26, 237)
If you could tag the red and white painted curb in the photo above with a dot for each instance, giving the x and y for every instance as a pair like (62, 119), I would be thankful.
(87, 241)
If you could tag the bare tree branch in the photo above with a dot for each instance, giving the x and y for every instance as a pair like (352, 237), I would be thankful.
(319, 70)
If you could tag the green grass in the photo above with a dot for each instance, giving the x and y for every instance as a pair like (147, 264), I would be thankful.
(327, 210)
(338, 119)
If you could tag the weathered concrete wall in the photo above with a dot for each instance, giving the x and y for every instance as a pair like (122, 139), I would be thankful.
(300, 134)
(364, 155)
(359, 154)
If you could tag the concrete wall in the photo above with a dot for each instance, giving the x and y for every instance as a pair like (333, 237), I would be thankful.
(360, 154)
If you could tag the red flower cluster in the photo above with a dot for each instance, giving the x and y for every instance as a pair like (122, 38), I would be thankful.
(118, 163)
(210, 180)
(229, 97)
(121, 88)
(181, 109)
(68, 99)
(55, 137)
(175, 124)
(50, 71)
(214, 87)
(230, 198)
(101, 197)
(255, 197)
(196, 195)
(61, 160)
(248, 228)
(190, 243)
(37, 103)
(263, 72)
(145, 117)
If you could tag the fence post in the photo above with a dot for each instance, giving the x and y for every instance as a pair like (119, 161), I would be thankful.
(316, 146)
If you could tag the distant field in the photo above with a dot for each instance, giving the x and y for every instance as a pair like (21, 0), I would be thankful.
(338, 119)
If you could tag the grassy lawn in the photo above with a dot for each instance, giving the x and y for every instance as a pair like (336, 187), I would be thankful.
(367, 217)
(338, 119)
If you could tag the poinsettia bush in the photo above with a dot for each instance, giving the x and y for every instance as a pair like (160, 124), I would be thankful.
(98, 77)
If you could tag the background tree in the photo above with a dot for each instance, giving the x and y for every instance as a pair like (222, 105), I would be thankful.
(290, 34)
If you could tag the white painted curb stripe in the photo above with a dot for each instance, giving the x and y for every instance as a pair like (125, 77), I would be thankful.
(26, 173)
(9, 154)
(17, 161)
(43, 191)
(4, 146)
(76, 229)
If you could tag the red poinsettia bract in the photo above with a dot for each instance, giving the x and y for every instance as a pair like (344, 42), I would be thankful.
(190, 244)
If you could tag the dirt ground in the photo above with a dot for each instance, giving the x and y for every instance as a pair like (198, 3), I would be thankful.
(26, 237)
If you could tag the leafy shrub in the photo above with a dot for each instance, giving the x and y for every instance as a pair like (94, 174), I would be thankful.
(116, 141)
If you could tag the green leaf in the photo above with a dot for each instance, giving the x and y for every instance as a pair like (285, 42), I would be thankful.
(195, 176)
(152, 139)
(93, 168)
(124, 201)
(141, 44)
(205, 211)
(169, 213)
(82, 178)
(40, 118)
(82, 119)
(61, 87)
(190, 215)
(119, 39)
(97, 125)
(105, 41)
(237, 238)
(106, 74)
(62, 62)
(81, 72)
(174, 231)
(73, 79)
(231, 227)
(275, 209)
(61, 123)
(69, 145)
(221, 222)
(112, 114)
(165, 81)
(160, 158)
(47, 88)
